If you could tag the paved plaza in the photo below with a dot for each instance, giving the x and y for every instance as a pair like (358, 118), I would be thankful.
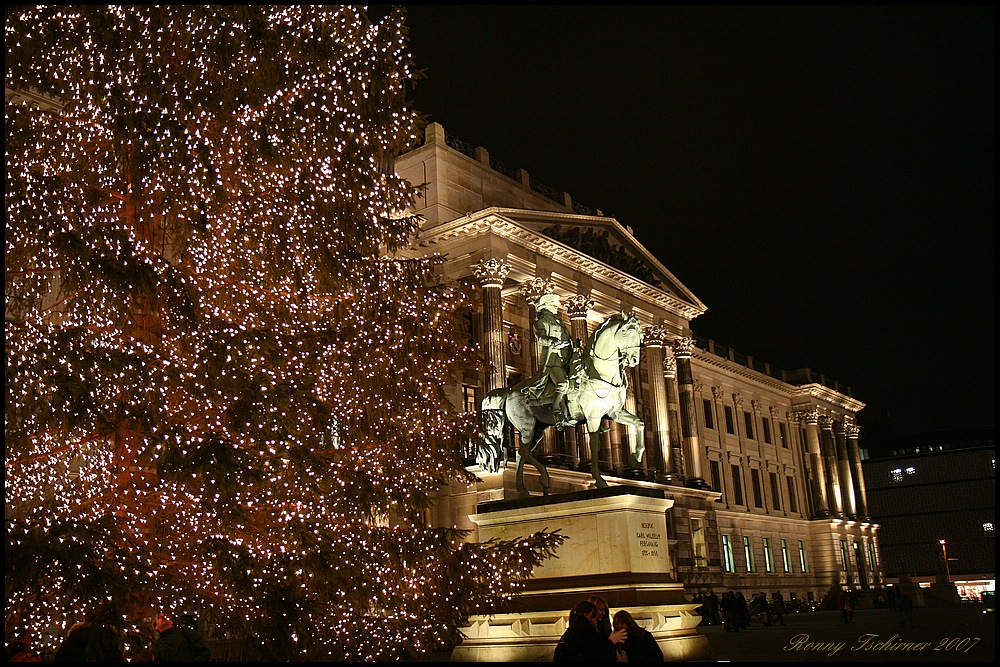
(957, 634)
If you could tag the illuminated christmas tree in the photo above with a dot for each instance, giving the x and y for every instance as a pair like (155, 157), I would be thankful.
(224, 391)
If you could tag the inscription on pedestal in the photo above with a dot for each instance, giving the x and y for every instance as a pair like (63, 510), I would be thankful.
(649, 540)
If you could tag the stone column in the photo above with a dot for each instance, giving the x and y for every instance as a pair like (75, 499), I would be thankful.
(531, 290)
(491, 274)
(674, 461)
(798, 444)
(829, 449)
(657, 451)
(861, 494)
(844, 471)
(683, 351)
(549, 450)
(578, 307)
(817, 467)
(775, 415)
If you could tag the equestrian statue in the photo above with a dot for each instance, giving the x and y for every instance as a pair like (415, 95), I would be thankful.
(573, 386)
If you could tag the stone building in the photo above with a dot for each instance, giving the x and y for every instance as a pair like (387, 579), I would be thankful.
(935, 495)
(762, 465)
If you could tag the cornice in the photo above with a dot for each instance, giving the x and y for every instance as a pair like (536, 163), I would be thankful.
(493, 221)
(822, 393)
(742, 371)
(814, 391)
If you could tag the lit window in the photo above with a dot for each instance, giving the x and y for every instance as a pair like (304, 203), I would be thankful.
(911, 470)
(786, 560)
(748, 553)
(896, 475)
(727, 554)
(987, 526)
(768, 559)
(802, 557)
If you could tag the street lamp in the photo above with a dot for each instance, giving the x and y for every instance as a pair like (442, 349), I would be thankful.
(944, 552)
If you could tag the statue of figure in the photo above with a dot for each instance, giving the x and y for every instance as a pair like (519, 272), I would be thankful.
(556, 346)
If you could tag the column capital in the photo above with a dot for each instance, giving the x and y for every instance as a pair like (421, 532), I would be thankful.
(737, 399)
(773, 411)
(683, 347)
(826, 422)
(655, 336)
(852, 430)
(534, 288)
(809, 415)
(718, 393)
(669, 366)
(792, 417)
(839, 427)
(578, 305)
(756, 406)
(491, 272)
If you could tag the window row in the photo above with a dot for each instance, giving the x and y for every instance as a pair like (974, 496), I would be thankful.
(736, 488)
(750, 430)
(749, 556)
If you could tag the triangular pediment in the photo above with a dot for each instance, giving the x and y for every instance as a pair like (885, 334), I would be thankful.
(599, 242)
(606, 240)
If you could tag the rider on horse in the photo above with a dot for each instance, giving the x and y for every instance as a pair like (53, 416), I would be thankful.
(557, 351)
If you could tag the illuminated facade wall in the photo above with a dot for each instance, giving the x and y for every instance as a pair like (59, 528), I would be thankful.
(762, 459)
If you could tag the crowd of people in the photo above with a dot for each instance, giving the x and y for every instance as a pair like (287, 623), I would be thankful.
(734, 611)
(591, 636)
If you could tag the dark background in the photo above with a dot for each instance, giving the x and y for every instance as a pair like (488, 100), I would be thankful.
(821, 178)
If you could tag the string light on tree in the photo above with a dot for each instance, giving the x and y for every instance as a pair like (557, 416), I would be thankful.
(224, 391)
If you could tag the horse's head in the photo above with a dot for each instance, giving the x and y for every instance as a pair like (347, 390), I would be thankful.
(618, 340)
(629, 338)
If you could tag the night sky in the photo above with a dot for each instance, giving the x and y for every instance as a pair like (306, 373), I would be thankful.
(821, 178)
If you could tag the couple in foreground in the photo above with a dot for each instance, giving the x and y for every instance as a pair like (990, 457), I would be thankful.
(592, 637)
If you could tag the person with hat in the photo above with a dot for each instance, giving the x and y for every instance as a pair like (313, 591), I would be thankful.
(556, 350)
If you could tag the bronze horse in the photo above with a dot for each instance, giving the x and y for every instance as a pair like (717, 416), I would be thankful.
(597, 391)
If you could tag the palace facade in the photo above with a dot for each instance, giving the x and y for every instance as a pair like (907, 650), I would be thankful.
(762, 465)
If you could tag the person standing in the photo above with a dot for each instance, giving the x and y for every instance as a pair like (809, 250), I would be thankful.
(19, 650)
(842, 606)
(178, 644)
(890, 597)
(711, 604)
(583, 642)
(730, 612)
(640, 645)
(603, 620)
(90, 641)
(778, 608)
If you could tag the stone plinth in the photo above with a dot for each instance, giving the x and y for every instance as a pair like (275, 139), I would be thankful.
(616, 547)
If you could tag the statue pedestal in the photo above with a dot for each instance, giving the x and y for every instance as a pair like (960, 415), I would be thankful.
(616, 547)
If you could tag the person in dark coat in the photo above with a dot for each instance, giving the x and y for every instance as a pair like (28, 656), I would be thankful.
(640, 646)
(178, 644)
(603, 621)
(583, 642)
(19, 650)
(90, 641)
